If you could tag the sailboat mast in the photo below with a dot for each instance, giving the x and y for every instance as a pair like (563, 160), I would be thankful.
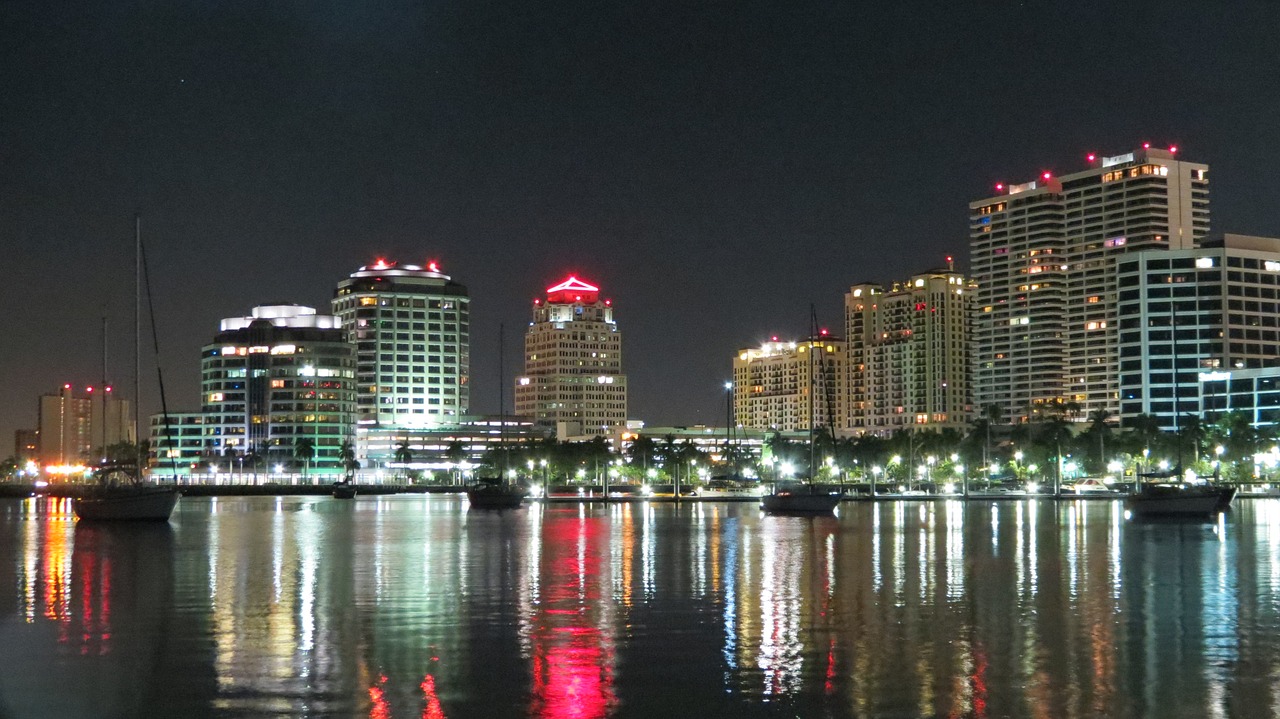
(813, 330)
(502, 401)
(137, 340)
(103, 388)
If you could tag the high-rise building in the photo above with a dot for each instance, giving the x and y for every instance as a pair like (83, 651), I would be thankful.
(75, 425)
(790, 386)
(1187, 317)
(573, 378)
(908, 353)
(26, 446)
(411, 327)
(1043, 254)
(274, 378)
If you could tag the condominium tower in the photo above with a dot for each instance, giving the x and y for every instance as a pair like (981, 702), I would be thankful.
(573, 378)
(274, 378)
(908, 353)
(411, 327)
(1043, 254)
(790, 386)
(72, 425)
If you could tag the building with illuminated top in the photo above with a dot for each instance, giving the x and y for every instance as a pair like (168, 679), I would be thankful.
(1198, 327)
(411, 327)
(272, 379)
(573, 378)
(790, 386)
(908, 353)
(1044, 256)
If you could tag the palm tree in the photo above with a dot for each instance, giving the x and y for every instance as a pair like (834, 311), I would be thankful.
(455, 453)
(347, 455)
(1100, 429)
(304, 449)
(403, 456)
(642, 452)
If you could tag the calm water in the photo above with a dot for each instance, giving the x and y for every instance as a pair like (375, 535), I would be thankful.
(416, 607)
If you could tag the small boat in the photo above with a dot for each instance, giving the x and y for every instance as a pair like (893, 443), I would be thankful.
(1178, 499)
(141, 503)
(729, 489)
(491, 493)
(800, 498)
(344, 490)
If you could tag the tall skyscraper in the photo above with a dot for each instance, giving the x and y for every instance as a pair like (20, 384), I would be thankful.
(1043, 254)
(412, 330)
(909, 354)
(75, 425)
(278, 376)
(573, 376)
(790, 386)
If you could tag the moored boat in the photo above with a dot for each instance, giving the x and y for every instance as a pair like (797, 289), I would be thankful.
(491, 493)
(799, 499)
(344, 490)
(142, 503)
(1178, 499)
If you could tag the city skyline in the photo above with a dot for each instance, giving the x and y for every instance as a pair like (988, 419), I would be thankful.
(756, 162)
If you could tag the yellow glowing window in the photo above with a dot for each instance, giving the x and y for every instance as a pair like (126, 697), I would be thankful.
(368, 301)
(215, 396)
(277, 383)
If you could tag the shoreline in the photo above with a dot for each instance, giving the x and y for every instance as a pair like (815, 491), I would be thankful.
(19, 491)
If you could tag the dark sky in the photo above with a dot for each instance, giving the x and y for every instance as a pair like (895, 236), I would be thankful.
(714, 166)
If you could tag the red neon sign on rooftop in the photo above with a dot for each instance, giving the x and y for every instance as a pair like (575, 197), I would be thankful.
(573, 290)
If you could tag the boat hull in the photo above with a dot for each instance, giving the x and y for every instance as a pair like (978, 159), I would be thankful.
(496, 496)
(1179, 502)
(344, 491)
(790, 503)
(151, 504)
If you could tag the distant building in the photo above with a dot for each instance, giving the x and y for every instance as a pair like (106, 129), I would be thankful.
(274, 378)
(1209, 312)
(74, 426)
(573, 378)
(26, 445)
(908, 354)
(790, 386)
(411, 327)
(1043, 254)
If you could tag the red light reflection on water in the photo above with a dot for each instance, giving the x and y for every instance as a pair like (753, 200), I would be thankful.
(573, 659)
(979, 681)
(380, 708)
(432, 710)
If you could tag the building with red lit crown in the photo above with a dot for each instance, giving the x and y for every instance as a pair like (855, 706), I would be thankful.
(573, 378)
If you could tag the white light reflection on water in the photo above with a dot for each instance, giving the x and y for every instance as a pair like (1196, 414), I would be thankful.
(1083, 615)
(877, 577)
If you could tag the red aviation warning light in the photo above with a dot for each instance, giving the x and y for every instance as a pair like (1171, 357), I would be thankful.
(433, 266)
(573, 290)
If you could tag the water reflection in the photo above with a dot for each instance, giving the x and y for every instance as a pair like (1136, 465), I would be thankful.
(417, 607)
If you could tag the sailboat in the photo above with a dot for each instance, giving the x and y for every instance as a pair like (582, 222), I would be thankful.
(496, 492)
(804, 497)
(121, 493)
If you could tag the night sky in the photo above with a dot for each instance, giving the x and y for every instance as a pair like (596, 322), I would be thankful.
(715, 167)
